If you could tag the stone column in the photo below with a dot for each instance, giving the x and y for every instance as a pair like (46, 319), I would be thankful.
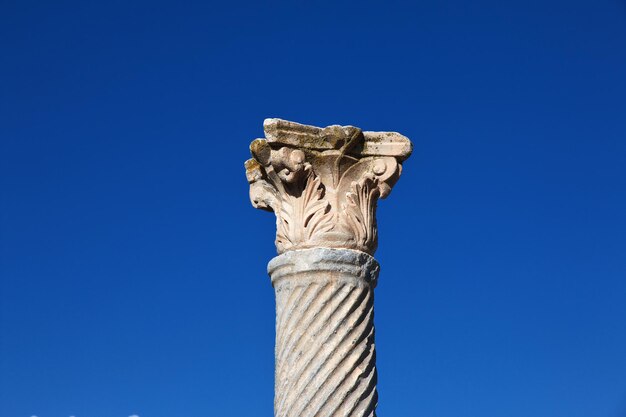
(323, 184)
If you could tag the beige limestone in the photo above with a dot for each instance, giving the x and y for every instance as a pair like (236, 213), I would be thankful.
(323, 184)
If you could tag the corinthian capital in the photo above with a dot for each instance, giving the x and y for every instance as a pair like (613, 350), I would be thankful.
(323, 184)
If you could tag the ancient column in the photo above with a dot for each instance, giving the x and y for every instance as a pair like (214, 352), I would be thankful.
(323, 184)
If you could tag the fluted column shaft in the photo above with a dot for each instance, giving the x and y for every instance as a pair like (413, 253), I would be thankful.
(325, 351)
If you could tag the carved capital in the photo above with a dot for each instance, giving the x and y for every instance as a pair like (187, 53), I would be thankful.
(323, 184)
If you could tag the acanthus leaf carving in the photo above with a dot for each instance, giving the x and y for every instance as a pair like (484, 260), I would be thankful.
(303, 215)
(360, 211)
(323, 184)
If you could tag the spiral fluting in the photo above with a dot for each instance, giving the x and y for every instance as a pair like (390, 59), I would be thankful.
(325, 351)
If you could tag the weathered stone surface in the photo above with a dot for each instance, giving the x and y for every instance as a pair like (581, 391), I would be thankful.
(323, 184)
(333, 137)
(325, 351)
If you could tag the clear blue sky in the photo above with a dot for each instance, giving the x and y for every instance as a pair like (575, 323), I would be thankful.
(132, 265)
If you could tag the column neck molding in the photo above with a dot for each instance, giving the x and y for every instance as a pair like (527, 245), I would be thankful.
(324, 265)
